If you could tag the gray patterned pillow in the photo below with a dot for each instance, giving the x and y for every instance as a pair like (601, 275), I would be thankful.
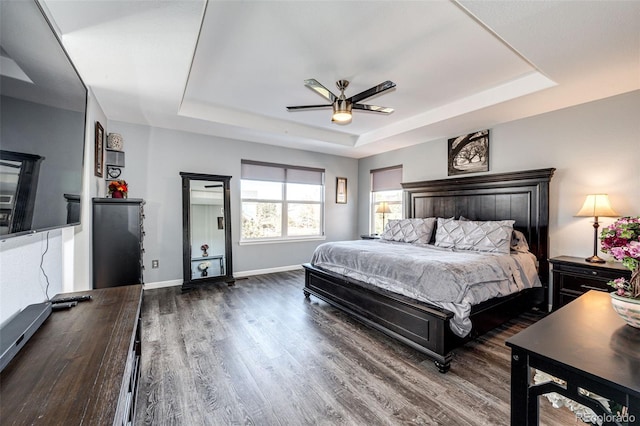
(409, 230)
(493, 236)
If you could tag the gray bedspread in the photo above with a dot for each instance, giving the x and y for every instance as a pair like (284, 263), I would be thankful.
(453, 280)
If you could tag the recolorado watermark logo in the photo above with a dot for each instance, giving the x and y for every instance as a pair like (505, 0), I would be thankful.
(619, 418)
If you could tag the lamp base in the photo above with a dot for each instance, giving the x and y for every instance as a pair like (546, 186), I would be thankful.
(595, 259)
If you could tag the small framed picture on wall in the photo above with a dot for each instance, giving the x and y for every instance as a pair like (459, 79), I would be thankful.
(99, 149)
(341, 190)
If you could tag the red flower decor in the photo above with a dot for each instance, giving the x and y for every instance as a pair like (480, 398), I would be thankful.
(118, 186)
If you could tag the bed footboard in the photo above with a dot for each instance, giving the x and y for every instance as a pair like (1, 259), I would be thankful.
(419, 325)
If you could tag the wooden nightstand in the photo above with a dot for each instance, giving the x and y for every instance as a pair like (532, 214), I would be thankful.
(573, 276)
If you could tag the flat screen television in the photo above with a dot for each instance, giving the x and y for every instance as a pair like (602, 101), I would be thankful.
(43, 105)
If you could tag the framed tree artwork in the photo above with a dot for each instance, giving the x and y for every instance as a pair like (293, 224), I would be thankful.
(99, 149)
(468, 153)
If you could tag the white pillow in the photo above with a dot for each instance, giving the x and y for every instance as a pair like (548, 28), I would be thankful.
(493, 236)
(409, 230)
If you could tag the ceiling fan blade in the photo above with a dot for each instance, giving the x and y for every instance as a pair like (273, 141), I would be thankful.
(320, 89)
(374, 108)
(382, 87)
(295, 108)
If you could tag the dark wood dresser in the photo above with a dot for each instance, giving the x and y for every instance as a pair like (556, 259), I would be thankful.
(574, 276)
(118, 237)
(80, 367)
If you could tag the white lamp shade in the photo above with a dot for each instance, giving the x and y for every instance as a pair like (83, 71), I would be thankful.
(383, 207)
(597, 205)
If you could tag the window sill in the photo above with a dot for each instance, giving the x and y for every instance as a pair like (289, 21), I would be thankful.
(281, 240)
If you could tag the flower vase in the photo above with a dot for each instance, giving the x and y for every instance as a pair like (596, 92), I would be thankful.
(204, 273)
(117, 194)
(627, 308)
(205, 254)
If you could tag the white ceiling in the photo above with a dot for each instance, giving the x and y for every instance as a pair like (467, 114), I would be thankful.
(230, 68)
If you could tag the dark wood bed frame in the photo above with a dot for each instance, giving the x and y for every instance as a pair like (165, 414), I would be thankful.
(521, 196)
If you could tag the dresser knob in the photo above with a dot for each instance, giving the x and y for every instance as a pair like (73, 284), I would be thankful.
(594, 272)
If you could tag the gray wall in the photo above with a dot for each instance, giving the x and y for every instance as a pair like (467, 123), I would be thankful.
(595, 148)
(154, 159)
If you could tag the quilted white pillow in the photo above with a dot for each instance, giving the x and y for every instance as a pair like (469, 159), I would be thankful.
(409, 230)
(493, 236)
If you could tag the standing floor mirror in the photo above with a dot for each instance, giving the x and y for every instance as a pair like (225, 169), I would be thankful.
(206, 230)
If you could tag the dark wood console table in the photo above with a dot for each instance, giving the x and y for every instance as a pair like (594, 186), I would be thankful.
(80, 367)
(584, 343)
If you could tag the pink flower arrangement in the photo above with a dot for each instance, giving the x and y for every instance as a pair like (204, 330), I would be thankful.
(622, 241)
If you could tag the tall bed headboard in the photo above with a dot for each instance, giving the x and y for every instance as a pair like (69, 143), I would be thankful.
(521, 196)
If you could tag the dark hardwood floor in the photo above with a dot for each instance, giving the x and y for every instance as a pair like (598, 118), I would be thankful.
(260, 353)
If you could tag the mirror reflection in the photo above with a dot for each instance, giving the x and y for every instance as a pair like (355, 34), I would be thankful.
(9, 174)
(42, 124)
(207, 229)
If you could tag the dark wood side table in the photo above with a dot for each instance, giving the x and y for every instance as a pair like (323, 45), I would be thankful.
(585, 344)
(573, 276)
(80, 367)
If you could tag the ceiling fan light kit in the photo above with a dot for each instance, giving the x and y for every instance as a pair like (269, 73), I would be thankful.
(343, 106)
(341, 111)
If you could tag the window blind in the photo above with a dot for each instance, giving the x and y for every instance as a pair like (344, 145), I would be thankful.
(254, 170)
(387, 179)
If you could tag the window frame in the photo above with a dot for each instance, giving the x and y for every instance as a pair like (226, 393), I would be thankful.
(396, 186)
(284, 203)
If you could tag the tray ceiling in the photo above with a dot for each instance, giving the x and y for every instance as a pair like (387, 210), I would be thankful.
(229, 69)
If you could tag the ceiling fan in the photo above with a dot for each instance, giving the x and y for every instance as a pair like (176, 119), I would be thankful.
(342, 105)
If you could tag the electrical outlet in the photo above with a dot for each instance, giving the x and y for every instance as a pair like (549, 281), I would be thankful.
(155, 263)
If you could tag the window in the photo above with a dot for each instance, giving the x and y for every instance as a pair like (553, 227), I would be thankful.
(281, 202)
(386, 195)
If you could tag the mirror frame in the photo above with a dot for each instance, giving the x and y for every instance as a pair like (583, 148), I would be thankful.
(188, 282)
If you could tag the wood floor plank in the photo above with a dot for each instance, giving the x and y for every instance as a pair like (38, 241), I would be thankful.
(260, 353)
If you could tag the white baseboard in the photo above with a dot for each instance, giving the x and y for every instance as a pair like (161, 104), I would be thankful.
(243, 274)
(266, 271)
(162, 284)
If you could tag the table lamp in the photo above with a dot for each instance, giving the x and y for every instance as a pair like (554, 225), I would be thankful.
(596, 205)
(383, 208)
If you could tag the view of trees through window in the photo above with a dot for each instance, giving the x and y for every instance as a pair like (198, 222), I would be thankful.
(281, 210)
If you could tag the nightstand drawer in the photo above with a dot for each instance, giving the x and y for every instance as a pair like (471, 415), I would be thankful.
(600, 275)
(583, 283)
(573, 277)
